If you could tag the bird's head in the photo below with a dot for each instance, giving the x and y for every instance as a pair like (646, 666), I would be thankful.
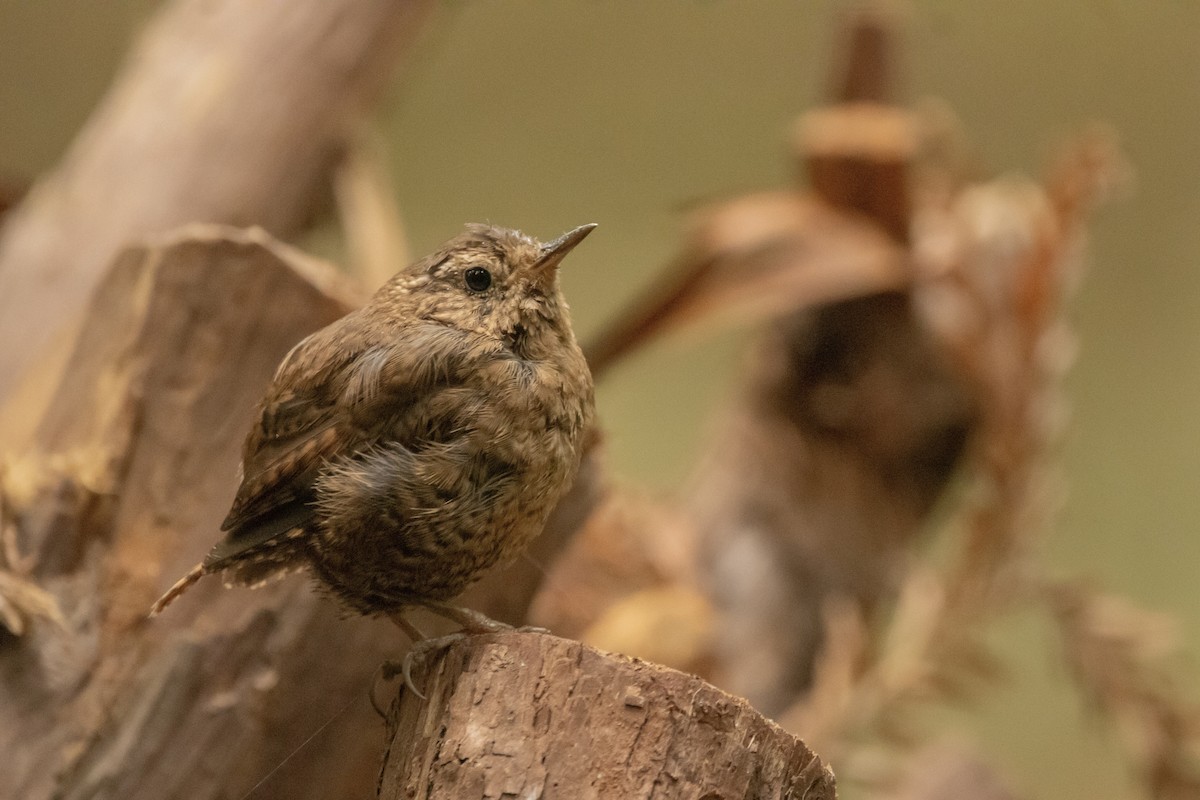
(493, 281)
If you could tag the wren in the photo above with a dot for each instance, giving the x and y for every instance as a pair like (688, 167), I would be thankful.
(403, 451)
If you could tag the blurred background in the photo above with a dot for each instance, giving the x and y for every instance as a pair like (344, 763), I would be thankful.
(545, 115)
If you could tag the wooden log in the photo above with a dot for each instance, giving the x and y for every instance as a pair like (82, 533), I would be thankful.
(531, 715)
(225, 112)
(135, 466)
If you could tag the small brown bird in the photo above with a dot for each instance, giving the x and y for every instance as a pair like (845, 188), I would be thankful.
(413, 444)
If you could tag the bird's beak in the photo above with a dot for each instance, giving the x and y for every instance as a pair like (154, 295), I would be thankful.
(554, 252)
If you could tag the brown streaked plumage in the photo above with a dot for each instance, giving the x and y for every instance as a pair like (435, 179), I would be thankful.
(413, 444)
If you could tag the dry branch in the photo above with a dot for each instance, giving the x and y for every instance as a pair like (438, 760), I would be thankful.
(1126, 663)
(225, 112)
(858, 156)
(1008, 255)
(531, 715)
(752, 258)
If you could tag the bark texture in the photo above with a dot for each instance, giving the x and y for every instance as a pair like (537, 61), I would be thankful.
(134, 467)
(531, 715)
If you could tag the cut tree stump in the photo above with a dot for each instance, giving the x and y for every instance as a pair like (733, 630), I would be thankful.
(133, 469)
(521, 714)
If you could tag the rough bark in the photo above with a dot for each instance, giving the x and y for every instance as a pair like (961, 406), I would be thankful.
(226, 112)
(532, 715)
(133, 471)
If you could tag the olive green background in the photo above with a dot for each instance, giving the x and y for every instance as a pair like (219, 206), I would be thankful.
(545, 115)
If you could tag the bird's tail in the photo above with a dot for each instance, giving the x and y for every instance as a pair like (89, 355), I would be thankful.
(196, 573)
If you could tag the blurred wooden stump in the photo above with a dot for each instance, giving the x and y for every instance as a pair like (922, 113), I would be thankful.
(849, 422)
(857, 157)
(531, 715)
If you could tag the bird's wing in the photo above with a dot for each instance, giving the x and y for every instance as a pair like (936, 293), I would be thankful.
(328, 399)
(296, 431)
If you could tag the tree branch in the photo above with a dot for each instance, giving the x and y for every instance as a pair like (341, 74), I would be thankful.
(225, 112)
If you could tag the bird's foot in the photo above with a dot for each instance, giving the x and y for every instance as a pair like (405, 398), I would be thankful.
(473, 622)
(402, 622)
(470, 620)
(389, 670)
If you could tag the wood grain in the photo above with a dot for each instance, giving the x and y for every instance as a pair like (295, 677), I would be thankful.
(134, 468)
(531, 715)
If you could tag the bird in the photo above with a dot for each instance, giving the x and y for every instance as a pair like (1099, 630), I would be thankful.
(406, 449)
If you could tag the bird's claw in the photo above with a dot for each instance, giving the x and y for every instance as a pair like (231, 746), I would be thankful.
(389, 670)
(406, 671)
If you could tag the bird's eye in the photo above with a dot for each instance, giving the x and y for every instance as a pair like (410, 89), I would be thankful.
(478, 279)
